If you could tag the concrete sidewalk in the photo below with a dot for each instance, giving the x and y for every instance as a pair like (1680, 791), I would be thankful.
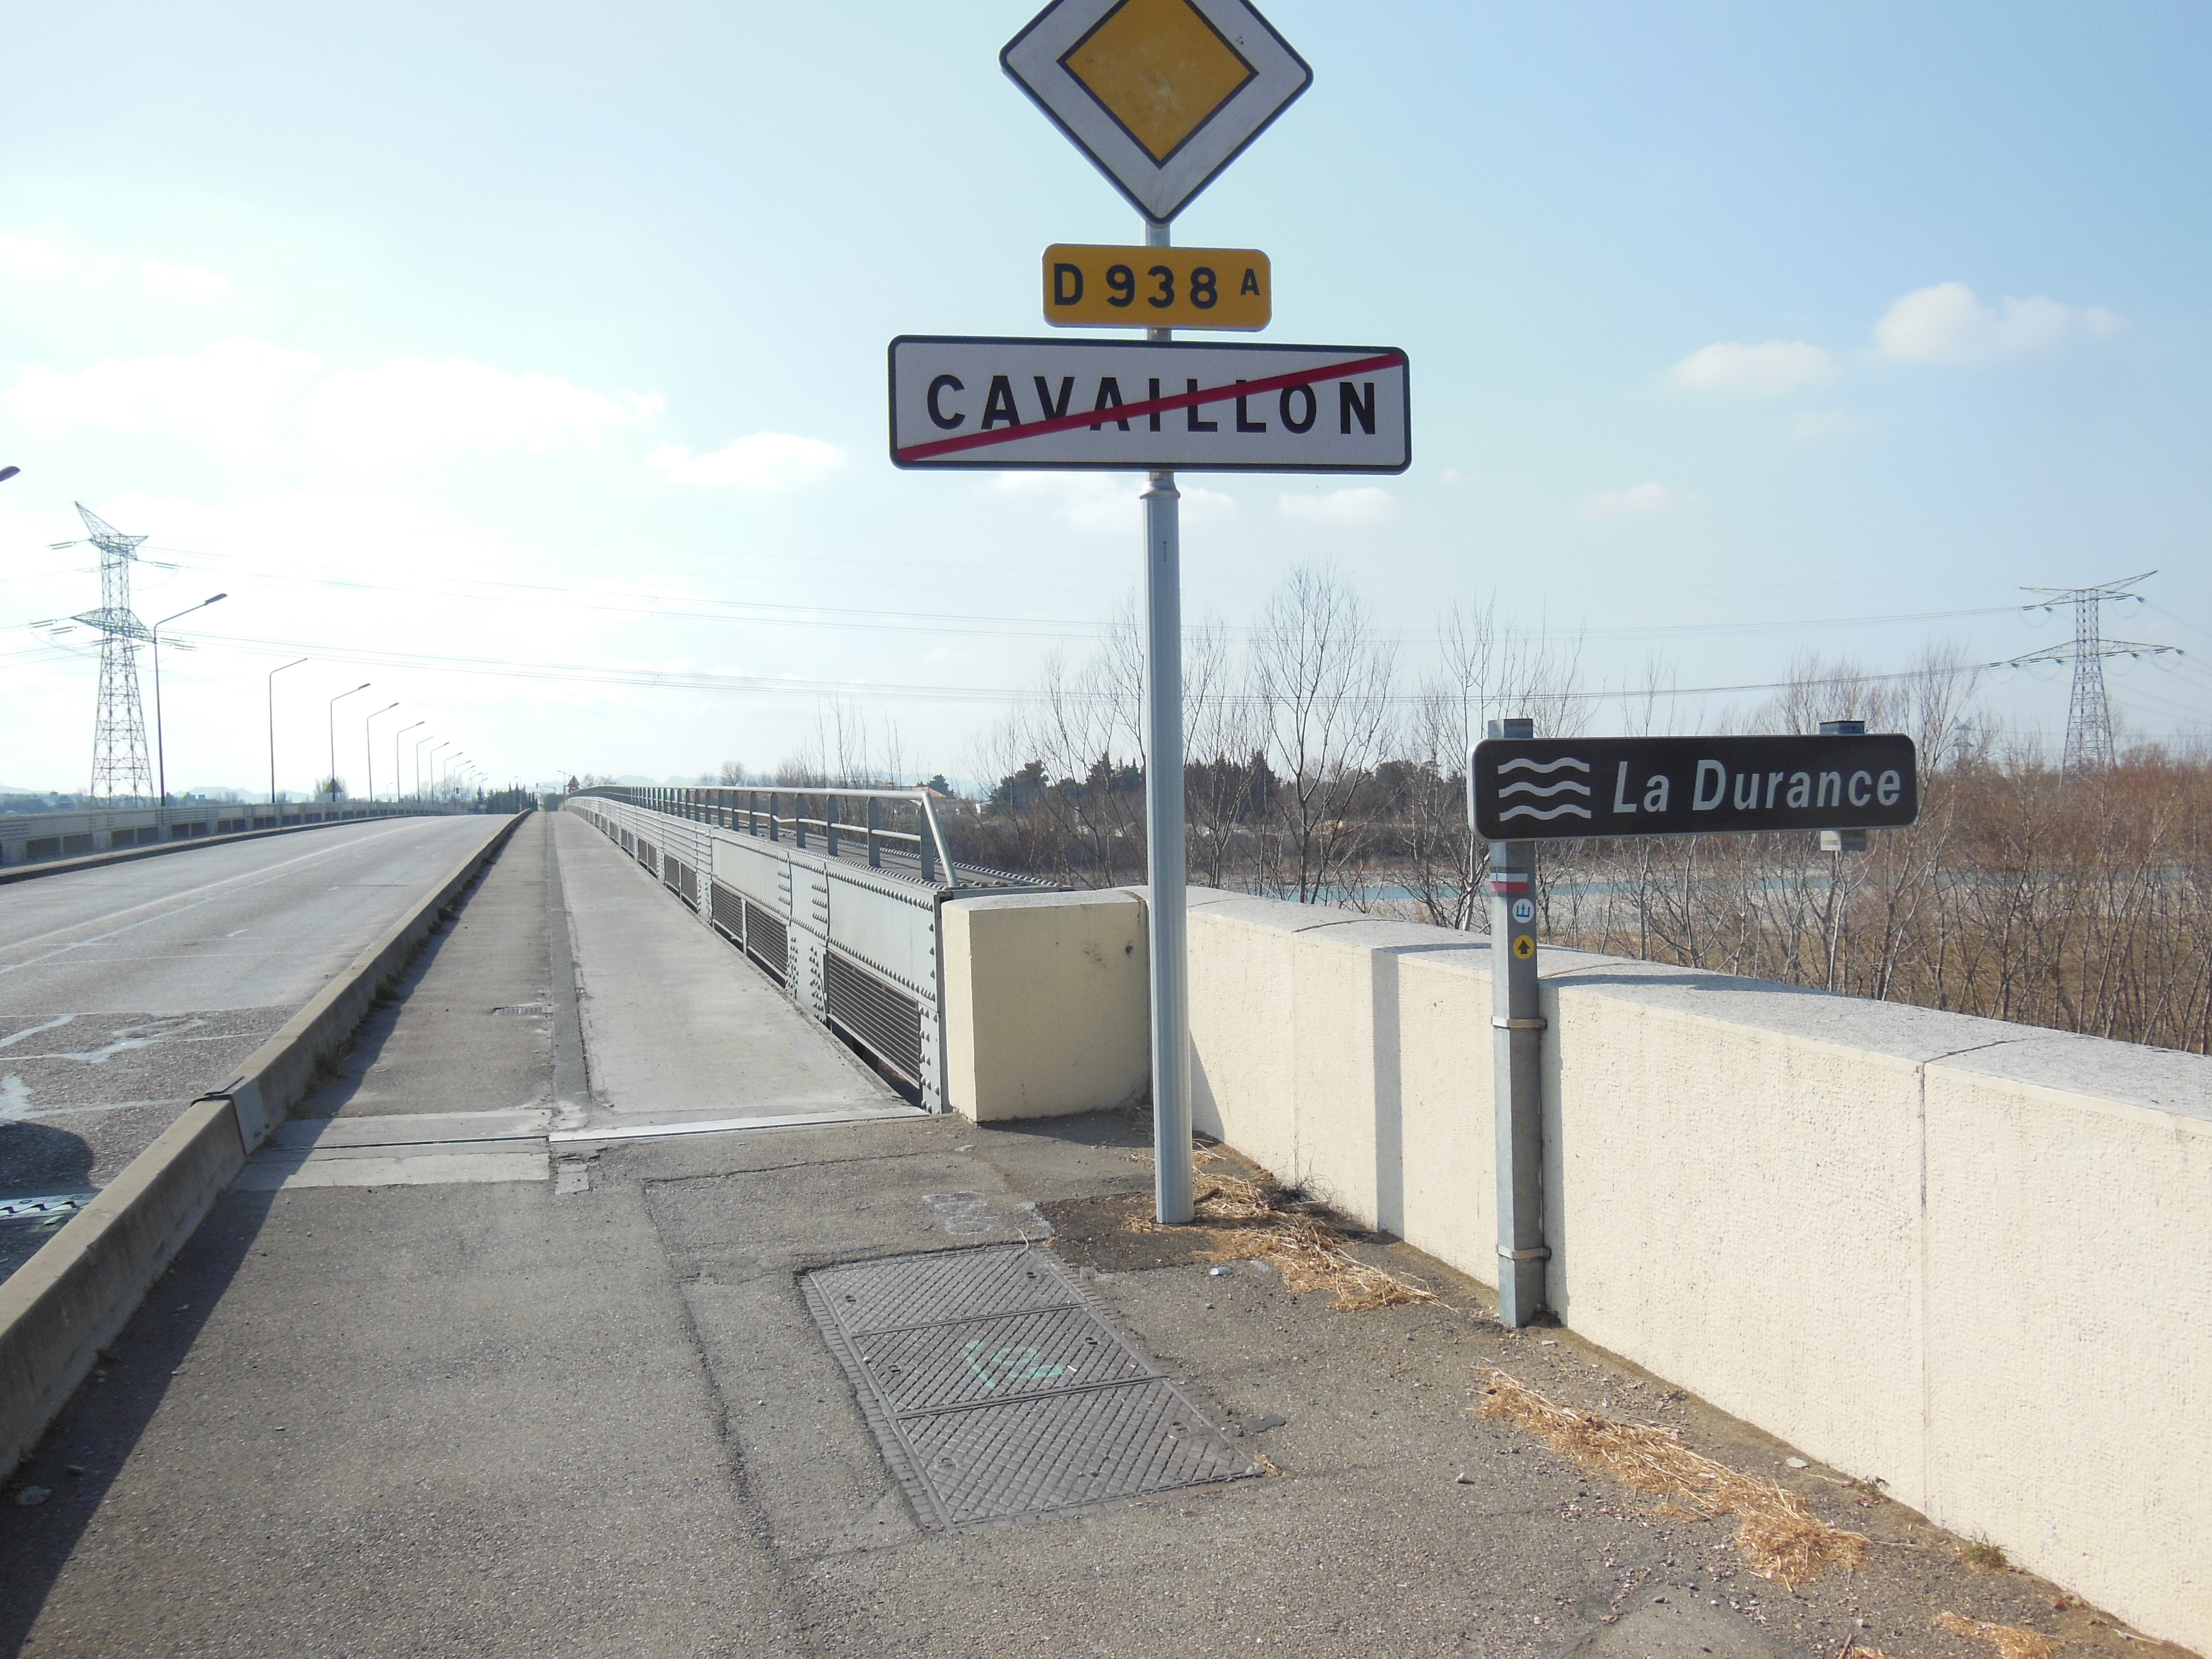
(676, 1027)
(591, 1412)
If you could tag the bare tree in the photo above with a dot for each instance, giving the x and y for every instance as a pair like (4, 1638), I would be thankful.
(1324, 681)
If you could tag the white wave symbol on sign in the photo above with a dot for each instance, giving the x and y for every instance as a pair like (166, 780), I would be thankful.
(1522, 763)
(1525, 810)
(1544, 791)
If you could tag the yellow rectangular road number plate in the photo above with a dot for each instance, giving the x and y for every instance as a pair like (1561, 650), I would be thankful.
(1157, 286)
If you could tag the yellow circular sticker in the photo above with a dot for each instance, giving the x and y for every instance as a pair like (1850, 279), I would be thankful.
(1524, 947)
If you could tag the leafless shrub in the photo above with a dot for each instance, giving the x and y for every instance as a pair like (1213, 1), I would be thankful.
(2079, 902)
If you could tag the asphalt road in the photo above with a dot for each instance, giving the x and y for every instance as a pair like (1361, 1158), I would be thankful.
(125, 990)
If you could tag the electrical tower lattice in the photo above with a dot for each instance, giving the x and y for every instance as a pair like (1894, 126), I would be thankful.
(2089, 711)
(119, 764)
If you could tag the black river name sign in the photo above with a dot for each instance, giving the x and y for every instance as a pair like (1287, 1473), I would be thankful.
(1565, 788)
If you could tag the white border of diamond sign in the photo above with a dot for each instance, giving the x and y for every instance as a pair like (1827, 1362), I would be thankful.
(1158, 190)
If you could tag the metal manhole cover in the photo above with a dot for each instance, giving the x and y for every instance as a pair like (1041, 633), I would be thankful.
(997, 1388)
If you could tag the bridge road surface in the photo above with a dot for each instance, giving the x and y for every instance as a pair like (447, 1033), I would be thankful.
(374, 1411)
(127, 990)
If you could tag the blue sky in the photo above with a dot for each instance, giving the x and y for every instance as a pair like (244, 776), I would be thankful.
(554, 334)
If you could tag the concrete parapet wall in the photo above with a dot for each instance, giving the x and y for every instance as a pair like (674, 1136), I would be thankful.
(1045, 1002)
(75, 1294)
(1969, 1259)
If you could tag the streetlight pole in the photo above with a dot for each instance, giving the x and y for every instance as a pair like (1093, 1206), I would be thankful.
(368, 748)
(447, 743)
(396, 773)
(273, 673)
(419, 742)
(335, 702)
(160, 749)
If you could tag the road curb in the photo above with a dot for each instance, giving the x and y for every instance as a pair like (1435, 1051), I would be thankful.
(74, 1297)
(15, 873)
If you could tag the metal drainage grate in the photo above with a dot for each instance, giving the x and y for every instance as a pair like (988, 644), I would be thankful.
(997, 1388)
(727, 910)
(767, 940)
(54, 1207)
(885, 1020)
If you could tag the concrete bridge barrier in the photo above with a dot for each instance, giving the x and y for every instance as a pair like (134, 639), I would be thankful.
(1968, 1260)
(75, 1294)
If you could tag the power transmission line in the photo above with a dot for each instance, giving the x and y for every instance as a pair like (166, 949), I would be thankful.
(119, 764)
(2089, 711)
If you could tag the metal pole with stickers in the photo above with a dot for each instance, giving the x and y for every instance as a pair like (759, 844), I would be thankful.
(1161, 95)
(1523, 790)
(1517, 1027)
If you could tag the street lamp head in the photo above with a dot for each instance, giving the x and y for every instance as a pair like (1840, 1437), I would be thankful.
(8, 472)
(211, 601)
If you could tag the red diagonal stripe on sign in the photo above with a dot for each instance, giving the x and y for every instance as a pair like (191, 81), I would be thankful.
(1155, 406)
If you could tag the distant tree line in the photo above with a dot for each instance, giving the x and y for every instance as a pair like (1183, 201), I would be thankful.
(1317, 773)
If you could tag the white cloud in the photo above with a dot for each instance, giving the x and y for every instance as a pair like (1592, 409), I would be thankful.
(1946, 323)
(1204, 506)
(242, 395)
(1764, 370)
(1454, 477)
(229, 393)
(27, 256)
(1362, 504)
(30, 256)
(1813, 424)
(766, 460)
(410, 406)
(1650, 496)
(187, 280)
(1104, 503)
(1098, 501)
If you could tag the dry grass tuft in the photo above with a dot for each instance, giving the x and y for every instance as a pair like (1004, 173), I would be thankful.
(1257, 1221)
(1983, 1556)
(1780, 1539)
(2010, 1641)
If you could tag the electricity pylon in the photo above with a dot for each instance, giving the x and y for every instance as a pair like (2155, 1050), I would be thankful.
(120, 766)
(2089, 713)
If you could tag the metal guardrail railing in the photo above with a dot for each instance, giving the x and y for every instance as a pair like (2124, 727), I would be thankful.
(825, 891)
(780, 815)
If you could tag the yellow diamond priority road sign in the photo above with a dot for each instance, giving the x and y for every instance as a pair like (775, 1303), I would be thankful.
(1161, 94)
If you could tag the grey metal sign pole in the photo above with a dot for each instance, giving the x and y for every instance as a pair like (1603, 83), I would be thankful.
(1168, 917)
(1516, 1042)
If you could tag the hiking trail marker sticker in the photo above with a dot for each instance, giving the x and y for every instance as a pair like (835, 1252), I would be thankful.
(1161, 94)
